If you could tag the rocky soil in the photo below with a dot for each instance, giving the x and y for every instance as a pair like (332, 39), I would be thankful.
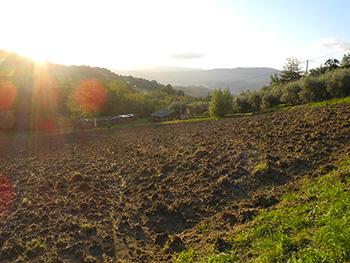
(143, 194)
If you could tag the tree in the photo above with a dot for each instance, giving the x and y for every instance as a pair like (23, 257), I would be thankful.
(338, 83)
(197, 108)
(268, 101)
(331, 64)
(312, 89)
(345, 62)
(241, 104)
(291, 72)
(315, 72)
(227, 100)
(220, 103)
(254, 101)
(290, 95)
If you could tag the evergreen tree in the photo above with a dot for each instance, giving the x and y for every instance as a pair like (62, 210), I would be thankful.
(291, 72)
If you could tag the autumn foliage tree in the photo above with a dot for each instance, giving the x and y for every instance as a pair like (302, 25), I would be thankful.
(90, 96)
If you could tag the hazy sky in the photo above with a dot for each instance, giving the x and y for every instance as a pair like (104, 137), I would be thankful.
(127, 34)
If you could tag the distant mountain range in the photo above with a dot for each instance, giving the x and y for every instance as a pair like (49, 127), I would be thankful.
(198, 82)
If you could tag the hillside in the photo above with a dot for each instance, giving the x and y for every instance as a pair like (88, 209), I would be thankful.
(195, 91)
(146, 194)
(20, 67)
(38, 95)
(237, 79)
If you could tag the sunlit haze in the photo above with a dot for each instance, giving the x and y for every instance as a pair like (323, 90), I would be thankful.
(201, 34)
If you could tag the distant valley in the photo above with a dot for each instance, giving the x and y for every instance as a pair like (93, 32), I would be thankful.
(198, 82)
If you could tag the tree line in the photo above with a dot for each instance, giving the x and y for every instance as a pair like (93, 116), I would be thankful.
(36, 97)
(290, 87)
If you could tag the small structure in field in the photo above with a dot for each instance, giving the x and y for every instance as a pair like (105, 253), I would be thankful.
(104, 121)
(163, 115)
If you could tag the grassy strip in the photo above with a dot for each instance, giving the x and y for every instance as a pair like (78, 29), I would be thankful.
(284, 107)
(310, 225)
(133, 123)
(190, 120)
(332, 101)
(149, 122)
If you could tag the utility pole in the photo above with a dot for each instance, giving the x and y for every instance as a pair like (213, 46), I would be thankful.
(307, 67)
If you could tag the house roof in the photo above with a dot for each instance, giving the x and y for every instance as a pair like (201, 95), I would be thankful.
(162, 113)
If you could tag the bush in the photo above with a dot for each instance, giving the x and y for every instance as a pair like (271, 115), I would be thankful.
(254, 100)
(338, 83)
(241, 104)
(197, 108)
(333, 83)
(220, 103)
(268, 101)
(313, 89)
(290, 94)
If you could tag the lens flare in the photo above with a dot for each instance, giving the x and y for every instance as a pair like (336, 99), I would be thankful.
(47, 124)
(6, 195)
(46, 98)
(7, 119)
(8, 94)
(90, 95)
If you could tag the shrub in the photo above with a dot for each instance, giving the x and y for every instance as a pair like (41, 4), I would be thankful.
(312, 89)
(241, 104)
(197, 108)
(220, 103)
(254, 100)
(290, 95)
(338, 83)
(268, 101)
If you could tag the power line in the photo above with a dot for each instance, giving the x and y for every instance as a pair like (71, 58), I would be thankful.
(302, 62)
(331, 54)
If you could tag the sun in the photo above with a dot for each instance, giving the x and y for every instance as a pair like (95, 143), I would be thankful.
(39, 55)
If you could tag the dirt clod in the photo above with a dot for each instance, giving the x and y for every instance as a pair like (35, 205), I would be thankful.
(175, 244)
(221, 245)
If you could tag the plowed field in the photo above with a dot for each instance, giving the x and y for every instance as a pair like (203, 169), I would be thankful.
(142, 194)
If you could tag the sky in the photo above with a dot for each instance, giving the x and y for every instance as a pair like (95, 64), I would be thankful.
(139, 34)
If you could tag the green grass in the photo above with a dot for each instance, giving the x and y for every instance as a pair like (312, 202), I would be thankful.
(262, 166)
(284, 107)
(133, 123)
(36, 244)
(190, 120)
(332, 101)
(308, 225)
(235, 115)
(243, 114)
(149, 122)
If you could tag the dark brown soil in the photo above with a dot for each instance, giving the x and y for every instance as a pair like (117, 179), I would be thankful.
(142, 194)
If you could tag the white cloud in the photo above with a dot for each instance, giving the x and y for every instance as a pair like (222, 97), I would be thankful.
(335, 44)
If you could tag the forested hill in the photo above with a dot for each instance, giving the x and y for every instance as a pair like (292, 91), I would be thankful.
(32, 93)
(22, 67)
